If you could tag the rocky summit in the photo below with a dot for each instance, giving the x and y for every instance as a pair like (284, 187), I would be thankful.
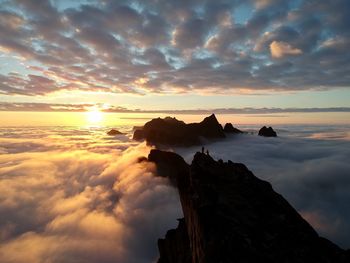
(114, 132)
(228, 128)
(267, 132)
(170, 131)
(230, 215)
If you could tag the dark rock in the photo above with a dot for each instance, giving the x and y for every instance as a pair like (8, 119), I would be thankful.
(137, 128)
(142, 159)
(232, 216)
(228, 128)
(267, 132)
(170, 131)
(175, 247)
(166, 161)
(139, 135)
(114, 132)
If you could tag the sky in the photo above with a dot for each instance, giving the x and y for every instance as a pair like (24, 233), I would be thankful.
(174, 55)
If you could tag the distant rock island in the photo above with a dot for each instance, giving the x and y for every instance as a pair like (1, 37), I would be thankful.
(170, 131)
(228, 128)
(114, 132)
(232, 216)
(173, 132)
(267, 132)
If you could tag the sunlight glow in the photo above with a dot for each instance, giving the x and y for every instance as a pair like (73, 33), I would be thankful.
(94, 116)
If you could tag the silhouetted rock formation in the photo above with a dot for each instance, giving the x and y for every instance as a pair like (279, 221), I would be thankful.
(114, 132)
(232, 216)
(230, 129)
(267, 132)
(139, 135)
(170, 131)
(175, 248)
(137, 128)
(166, 161)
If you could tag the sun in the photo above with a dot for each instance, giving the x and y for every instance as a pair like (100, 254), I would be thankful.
(94, 116)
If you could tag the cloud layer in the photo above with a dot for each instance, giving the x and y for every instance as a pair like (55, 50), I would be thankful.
(145, 47)
(54, 107)
(78, 196)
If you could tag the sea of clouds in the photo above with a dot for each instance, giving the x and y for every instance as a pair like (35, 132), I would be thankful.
(78, 195)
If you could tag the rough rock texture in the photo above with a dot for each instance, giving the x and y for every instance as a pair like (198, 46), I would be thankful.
(114, 132)
(267, 132)
(228, 128)
(170, 131)
(175, 247)
(232, 216)
(169, 165)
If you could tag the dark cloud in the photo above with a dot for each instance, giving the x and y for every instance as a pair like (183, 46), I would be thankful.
(177, 46)
(6, 106)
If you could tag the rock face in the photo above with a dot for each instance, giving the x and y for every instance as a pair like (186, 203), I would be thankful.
(170, 131)
(114, 132)
(228, 128)
(232, 216)
(175, 248)
(267, 132)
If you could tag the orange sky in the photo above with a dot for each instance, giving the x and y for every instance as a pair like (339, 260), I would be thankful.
(116, 119)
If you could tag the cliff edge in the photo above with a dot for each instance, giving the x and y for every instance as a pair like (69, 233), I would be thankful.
(230, 215)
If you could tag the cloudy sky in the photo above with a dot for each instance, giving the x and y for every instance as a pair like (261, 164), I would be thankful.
(182, 54)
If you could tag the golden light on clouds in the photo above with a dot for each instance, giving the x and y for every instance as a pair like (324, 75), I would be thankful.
(279, 49)
(94, 116)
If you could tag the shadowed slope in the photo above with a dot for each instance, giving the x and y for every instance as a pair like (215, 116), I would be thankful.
(232, 216)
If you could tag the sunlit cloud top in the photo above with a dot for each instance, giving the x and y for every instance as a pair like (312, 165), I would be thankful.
(171, 47)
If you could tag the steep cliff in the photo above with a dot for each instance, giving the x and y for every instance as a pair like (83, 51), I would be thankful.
(232, 216)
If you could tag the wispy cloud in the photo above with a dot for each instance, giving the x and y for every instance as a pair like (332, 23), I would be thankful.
(6, 106)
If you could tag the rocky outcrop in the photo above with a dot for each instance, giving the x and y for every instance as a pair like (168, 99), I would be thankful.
(175, 247)
(114, 132)
(232, 216)
(228, 128)
(170, 131)
(139, 135)
(267, 132)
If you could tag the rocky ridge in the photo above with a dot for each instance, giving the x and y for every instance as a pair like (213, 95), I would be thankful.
(232, 216)
(170, 131)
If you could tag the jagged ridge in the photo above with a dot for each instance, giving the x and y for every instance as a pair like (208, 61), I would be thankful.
(170, 131)
(233, 216)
